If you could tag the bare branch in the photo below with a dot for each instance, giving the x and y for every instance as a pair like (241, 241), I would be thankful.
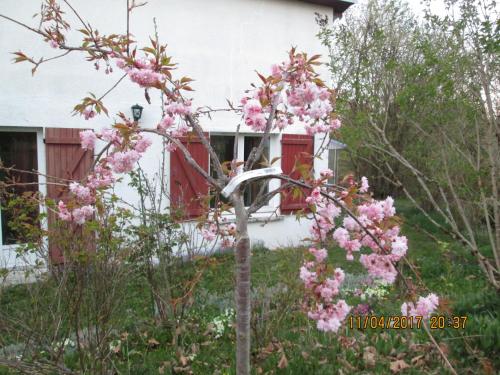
(214, 159)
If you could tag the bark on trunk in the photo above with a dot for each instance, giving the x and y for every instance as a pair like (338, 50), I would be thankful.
(243, 302)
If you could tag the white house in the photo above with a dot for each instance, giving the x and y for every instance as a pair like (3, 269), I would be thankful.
(219, 43)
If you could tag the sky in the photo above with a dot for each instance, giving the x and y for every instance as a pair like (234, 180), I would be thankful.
(437, 6)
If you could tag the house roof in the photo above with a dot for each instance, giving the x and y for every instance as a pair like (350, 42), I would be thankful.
(339, 6)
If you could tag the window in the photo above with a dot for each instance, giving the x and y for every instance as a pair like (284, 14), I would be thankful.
(224, 148)
(17, 150)
(253, 188)
(335, 153)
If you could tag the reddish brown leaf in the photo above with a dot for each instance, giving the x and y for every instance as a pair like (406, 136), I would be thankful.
(283, 363)
(398, 366)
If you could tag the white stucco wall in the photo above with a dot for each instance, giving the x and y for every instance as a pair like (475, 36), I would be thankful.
(219, 43)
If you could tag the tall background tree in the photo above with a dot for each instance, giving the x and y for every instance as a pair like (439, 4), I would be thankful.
(421, 101)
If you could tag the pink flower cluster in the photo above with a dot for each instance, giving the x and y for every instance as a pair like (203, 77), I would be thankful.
(254, 115)
(82, 193)
(100, 177)
(327, 313)
(209, 234)
(88, 113)
(424, 307)
(88, 139)
(173, 123)
(121, 159)
(326, 213)
(373, 215)
(387, 246)
(78, 215)
(144, 72)
(225, 231)
(297, 93)
(364, 185)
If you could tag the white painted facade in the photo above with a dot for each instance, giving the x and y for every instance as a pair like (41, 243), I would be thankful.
(218, 43)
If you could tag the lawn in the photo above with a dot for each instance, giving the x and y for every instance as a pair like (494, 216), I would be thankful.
(285, 341)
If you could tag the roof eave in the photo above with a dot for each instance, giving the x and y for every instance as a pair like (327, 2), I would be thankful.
(339, 6)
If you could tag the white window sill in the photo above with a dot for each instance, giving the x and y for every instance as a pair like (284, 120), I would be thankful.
(264, 215)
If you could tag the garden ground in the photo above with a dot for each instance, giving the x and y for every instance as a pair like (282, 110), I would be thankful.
(285, 341)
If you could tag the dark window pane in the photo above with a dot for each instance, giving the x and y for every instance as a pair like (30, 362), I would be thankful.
(333, 165)
(253, 188)
(224, 148)
(17, 150)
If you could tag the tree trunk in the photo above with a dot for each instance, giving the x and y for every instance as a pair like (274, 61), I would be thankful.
(242, 287)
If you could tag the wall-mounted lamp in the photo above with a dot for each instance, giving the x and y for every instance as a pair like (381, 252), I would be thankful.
(137, 112)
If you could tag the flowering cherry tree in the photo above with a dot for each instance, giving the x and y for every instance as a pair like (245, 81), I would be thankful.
(291, 93)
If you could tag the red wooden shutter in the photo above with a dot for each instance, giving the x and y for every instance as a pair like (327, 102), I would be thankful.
(295, 149)
(187, 186)
(65, 159)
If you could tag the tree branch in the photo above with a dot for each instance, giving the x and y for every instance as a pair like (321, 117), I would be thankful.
(256, 153)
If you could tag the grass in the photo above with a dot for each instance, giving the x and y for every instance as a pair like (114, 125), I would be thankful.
(286, 342)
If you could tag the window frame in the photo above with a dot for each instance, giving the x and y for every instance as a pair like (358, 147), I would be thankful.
(8, 254)
(274, 151)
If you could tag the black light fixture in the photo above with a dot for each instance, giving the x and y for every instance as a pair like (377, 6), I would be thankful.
(137, 112)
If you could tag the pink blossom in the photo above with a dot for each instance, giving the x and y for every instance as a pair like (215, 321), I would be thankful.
(53, 43)
(341, 235)
(252, 113)
(373, 210)
(111, 135)
(181, 130)
(142, 144)
(320, 228)
(350, 224)
(227, 243)
(388, 207)
(329, 319)
(82, 193)
(63, 212)
(101, 177)
(88, 113)
(379, 266)
(170, 147)
(328, 210)
(178, 108)
(424, 307)
(335, 124)
(339, 275)
(145, 77)
(123, 162)
(319, 254)
(399, 247)
(326, 173)
(364, 185)
(88, 139)
(307, 276)
(275, 71)
(315, 196)
(208, 235)
(166, 123)
(120, 63)
(83, 213)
